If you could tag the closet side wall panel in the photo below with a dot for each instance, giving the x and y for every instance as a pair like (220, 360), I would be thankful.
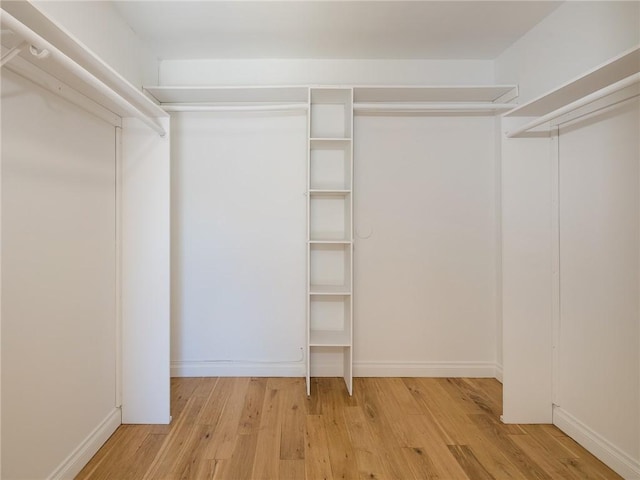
(145, 177)
(58, 278)
(526, 280)
(599, 280)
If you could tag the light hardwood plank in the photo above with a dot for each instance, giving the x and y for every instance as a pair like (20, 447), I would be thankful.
(316, 450)
(406, 429)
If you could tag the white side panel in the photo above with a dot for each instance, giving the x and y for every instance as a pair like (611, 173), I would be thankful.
(58, 279)
(145, 274)
(526, 280)
(599, 350)
(425, 244)
(238, 243)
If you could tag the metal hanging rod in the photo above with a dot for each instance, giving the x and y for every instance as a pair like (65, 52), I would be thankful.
(592, 97)
(39, 46)
(282, 107)
(432, 107)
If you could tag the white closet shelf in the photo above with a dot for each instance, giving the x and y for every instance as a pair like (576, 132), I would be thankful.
(48, 48)
(329, 239)
(329, 142)
(329, 192)
(329, 338)
(329, 289)
(383, 98)
(434, 94)
(228, 95)
(609, 73)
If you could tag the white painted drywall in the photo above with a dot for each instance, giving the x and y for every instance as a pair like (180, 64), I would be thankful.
(599, 348)
(526, 280)
(425, 288)
(325, 72)
(110, 38)
(573, 39)
(425, 246)
(145, 272)
(58, 278)
(238, 243)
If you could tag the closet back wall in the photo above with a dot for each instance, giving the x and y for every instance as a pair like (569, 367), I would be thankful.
(425, 245)
(425, 217)
(238, 243)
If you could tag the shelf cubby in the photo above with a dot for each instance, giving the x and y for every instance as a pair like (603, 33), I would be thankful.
(330, 215)
(329, 268)
(329, 338)
(331, 112)
(330, 164)
(330, 320)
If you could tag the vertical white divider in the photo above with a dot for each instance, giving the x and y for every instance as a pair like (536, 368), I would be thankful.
(308, 247)
(145, 273)
(0, 306)
(555, 260)
(527, 260)
(118, 299)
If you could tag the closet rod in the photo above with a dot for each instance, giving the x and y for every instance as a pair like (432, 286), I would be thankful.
(235, 108)
(9, 22)
(592, 97)
(432, 107)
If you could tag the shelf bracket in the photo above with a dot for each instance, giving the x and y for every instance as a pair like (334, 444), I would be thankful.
(11, 54)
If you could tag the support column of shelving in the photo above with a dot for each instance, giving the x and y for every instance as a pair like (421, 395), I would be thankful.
(330, 230)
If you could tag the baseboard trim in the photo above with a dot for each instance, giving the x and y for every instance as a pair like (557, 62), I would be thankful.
(611, 455)
(236, 369)
(498, 372)
(425, 369)
(75, 462)
(360, 369)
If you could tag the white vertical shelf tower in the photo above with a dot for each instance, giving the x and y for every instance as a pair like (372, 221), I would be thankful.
(330, 230)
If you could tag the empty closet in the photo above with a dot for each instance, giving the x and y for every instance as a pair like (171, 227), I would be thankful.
(468, 211)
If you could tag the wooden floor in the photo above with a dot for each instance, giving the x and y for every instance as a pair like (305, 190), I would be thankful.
(392, 428)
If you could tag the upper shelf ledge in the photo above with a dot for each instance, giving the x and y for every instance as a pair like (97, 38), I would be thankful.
(366, 98)
(609, 73)
(52, 52)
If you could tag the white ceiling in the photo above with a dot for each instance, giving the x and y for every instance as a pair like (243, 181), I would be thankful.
(332, 29)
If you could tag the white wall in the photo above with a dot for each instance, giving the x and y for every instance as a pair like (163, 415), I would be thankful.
(601, 191)
(58, 281)
(599, 344)
(327, 71)
(573, 39)
(110, 38)
(425, 246)
(238, 243)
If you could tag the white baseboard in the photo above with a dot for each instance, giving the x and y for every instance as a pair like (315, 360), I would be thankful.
(425, 369)
(616, 459)
(498, 372)
(75, 462)
(331, 369)
(236, 369)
